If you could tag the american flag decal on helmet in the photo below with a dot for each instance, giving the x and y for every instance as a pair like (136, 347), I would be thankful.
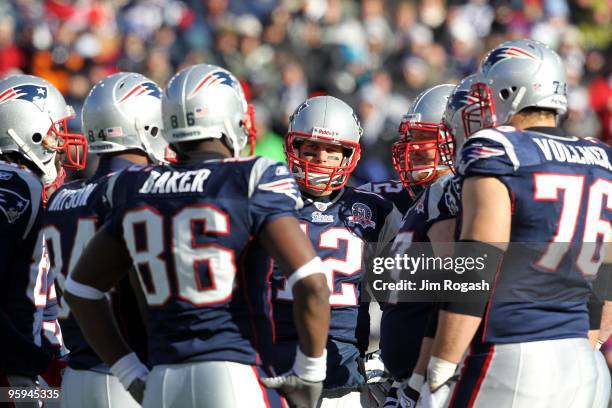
(504, 53)
(146, 88)
(213, 78)
(31, 93)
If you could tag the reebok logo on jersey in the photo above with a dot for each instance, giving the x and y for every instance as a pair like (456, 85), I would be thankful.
(12, 205)
(281, 171)
(5, 175)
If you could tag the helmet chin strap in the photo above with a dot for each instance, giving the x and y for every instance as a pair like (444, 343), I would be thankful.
(515, 102)
(48, 169)
(145, 142)
(233, 138)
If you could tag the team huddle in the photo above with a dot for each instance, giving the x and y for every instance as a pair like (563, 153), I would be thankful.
(188, 273)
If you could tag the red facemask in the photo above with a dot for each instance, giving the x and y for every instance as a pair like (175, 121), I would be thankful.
(411, 158)
(72, 145)
(319, 177)
(252, 131)
(54, 185)
(479, 113)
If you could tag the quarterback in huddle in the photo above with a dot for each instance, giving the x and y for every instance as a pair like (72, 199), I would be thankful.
(186, 272)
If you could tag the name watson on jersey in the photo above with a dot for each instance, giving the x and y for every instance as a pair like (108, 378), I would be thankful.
(426, 285)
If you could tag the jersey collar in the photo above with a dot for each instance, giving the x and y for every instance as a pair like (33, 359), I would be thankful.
(109, 165)
(323, 203)
(553, 131)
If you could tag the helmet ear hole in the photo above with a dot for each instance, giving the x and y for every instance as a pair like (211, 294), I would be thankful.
(504, 94)
(37, 138)
(154, 131)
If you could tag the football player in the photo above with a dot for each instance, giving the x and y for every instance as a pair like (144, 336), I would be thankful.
(523, 180)
(423, 158)
(122, 120)
(184, 228)
(33, 133)
(346, 226)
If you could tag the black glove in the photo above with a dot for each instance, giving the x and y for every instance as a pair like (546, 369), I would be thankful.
(137, 390)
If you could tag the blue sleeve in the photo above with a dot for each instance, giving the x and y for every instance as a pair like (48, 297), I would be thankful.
(273, 193)
(488, 153)
(440, 205)
(115, 199)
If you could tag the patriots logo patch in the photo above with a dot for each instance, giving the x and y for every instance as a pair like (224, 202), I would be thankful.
(362, 215)
(504, 53)
(31, 93)
(214, 78)
(476, 152)
(146, 88)
(12, 205)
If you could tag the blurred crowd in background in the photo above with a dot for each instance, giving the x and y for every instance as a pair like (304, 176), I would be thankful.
(375, 54)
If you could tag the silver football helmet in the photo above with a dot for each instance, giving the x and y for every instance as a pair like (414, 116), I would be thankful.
(453, 118)
(123, 112)
(33, 124)
(515, 75)
(324, 119)
(206, 101)
(424, 148)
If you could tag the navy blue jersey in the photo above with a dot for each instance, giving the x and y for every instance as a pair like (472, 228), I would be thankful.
(403, 324)
(560, 189)
(394, 191)
(74, 213)
(23, 270)
(187, 227)
(346, 229)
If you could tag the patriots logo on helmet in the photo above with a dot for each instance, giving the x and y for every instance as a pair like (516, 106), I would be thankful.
(297, 110)
(146, 88)
(476, 152)
(504, 53)
(213, 78)
(31, 93)
(458, 100)
(12, 205)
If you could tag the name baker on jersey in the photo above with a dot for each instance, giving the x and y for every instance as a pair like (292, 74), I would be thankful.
(593, 155)
(169, 182)
(67, 199)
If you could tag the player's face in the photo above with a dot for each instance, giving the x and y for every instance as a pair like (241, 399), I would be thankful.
(423, 152)
(328, 157)
(326, 154)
